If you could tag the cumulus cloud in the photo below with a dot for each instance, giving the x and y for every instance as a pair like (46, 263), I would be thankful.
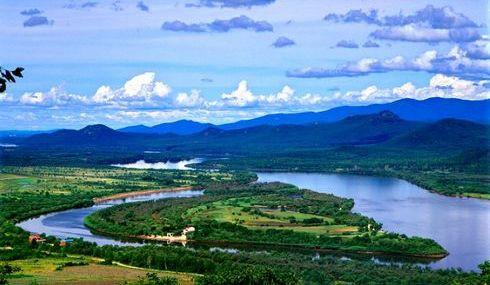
(430, 16)
(239, 103)
(142, 89)
(455, 62)
(56, 96)
(240, 97)
(178, 26)
(355, 16)
(190, 100)
(429, 24)
(31, 12)
(240, 23)
(285, 98)
(370, 44)
(477, 50)
(347, 44)
(142, 6)
(230, 3)
(4, 97)
(416, 33)
(439, 86)
(37, 21)
(283, 42)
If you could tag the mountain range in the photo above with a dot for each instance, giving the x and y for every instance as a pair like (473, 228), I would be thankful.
(384, 129)
(428, 110)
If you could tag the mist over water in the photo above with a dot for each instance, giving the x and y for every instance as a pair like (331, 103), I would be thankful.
(141, 164)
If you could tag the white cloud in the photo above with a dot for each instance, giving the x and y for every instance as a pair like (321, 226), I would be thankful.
(56, 96)
(5, 97)
(418, 33)
(142, 89)
(439, 86)
(459, 61)
(193, 99)
(240, 97)
(154, 104)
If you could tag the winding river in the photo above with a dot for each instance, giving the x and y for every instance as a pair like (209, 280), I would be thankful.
(69, 223)
(461, 225)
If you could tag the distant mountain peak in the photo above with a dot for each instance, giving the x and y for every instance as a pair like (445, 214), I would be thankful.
(383, 116)
(212, 130)
(388, 115)
(96, 129)
(180, 127)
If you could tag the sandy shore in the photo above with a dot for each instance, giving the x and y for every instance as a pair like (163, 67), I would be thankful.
(139, 193)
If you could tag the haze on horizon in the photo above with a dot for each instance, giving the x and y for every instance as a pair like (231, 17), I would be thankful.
(131, 62)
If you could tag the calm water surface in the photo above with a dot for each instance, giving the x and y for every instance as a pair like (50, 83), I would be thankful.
(461, 225)
(69, 223)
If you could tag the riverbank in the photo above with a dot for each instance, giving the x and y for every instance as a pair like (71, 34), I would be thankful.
(263, 246)
(262, 214)
(140, 193)
(423, 170)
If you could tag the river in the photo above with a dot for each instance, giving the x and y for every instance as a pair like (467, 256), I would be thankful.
(461, 225)
(69, 223)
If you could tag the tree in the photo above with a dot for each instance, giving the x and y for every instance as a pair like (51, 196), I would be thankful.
(485, 271)
(5, 271)
(9, 76)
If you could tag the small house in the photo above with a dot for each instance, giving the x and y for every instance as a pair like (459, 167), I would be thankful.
(188, 230)
(36, 238)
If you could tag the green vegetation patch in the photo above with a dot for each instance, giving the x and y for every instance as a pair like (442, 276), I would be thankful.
(272, 213)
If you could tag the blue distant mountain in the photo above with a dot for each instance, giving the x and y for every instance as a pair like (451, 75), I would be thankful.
(383, 129)
(21, 134)
(182, 127)
(428, 110)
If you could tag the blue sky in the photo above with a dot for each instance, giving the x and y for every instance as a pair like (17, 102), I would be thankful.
(124, 62)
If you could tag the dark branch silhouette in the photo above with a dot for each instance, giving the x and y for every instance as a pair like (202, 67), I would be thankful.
(8, 76)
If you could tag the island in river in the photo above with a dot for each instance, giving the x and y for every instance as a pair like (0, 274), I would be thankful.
(258, 213)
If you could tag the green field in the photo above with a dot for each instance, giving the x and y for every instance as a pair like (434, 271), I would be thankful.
(53, 270)
(249, 213)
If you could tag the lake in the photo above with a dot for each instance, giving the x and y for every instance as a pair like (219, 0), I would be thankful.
(461, 225)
